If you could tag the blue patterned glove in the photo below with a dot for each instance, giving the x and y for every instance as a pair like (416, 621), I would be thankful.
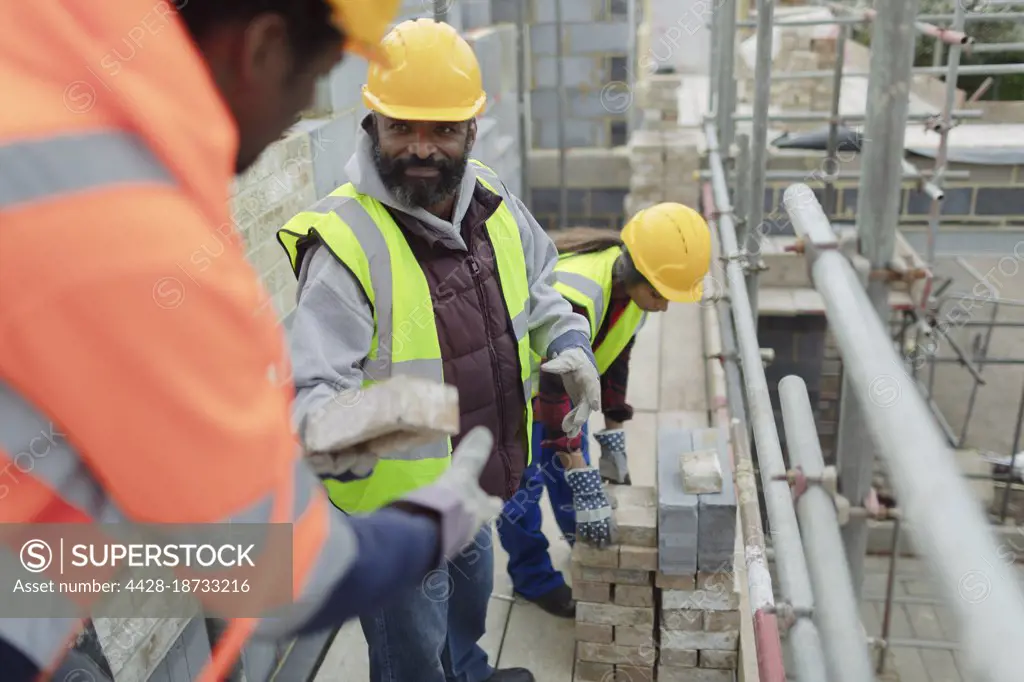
(594, 523)
(613, 465)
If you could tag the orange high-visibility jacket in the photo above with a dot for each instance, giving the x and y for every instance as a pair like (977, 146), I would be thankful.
(135, 378)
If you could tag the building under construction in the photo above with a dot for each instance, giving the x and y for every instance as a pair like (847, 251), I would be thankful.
(854, 367)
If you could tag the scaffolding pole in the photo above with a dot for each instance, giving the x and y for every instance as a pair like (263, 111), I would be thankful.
(949, 528)
(832, 146)
(826, 116)
(892, 55)
(794, 578)
(768, 644)
(835, 606)
(972, 70)
(726, 74)
(759, 147)
(972, 17)
(523, 113)
(945, 125)
(563, 192)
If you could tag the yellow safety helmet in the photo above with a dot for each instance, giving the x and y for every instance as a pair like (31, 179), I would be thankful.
(670, 244)
(433, 75)
(364, 22)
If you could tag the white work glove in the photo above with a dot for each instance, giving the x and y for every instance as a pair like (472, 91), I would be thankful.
(582, 383)
(342, 468)
(457, 497)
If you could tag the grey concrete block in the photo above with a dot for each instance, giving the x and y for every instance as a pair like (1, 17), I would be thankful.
(598, 37)
(544, 104)
(543, 200)
(542, 39)
(572, 11)
(578, 133)
(476, 13)
(590, 104)
(576, 72)
(678, 527)
(716, 536)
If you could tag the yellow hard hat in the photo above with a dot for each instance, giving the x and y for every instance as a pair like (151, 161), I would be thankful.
(364, 22)
(670, 244)
(434, 75)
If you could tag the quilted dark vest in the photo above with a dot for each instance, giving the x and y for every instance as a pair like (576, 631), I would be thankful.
(478, 346)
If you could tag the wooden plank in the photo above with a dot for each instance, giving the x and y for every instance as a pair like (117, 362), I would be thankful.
(539, 642)
(682, 385)
(645, 366)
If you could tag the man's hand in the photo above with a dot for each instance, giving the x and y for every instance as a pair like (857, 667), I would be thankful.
(582, 383)
(594, 523)
(463, 506)
(613, 465)
(344, 468)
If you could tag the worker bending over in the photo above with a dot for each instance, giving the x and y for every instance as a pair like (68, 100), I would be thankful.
(135, 386)
(424, 264)
(663, 254)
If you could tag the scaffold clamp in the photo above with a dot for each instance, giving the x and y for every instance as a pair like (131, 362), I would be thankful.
(788, 614)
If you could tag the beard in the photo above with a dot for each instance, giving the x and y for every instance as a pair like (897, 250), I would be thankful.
(417, 192)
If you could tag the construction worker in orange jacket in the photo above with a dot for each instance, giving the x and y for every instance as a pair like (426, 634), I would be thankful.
(136, 385)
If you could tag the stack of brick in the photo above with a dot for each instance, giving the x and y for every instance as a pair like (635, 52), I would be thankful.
(657, 95)
(699, 614)
(799, 49)
(664, 168)
(615, 595)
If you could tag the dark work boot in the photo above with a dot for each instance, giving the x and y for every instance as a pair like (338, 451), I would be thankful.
(511, 675)
(558, 602)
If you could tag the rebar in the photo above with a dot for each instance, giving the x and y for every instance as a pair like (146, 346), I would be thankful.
(790, 561)
(947, 522)
(835, 606)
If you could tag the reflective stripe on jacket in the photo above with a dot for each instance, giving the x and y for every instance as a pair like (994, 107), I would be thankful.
(361, 233)
(586, 280)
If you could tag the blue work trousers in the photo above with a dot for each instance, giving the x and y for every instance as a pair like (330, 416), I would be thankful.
(433, 634)
(519, 526)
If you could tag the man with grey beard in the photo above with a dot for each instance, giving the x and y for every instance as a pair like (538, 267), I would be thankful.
(424, 264)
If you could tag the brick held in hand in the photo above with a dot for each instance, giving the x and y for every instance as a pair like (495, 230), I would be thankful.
(391, 416)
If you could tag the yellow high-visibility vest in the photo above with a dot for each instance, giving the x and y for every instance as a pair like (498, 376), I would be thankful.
(585, 279)
(361, 233)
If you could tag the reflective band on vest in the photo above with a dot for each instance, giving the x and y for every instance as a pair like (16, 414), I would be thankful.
(361, 234)
(56, 485)
(43, 169)
(586, 280)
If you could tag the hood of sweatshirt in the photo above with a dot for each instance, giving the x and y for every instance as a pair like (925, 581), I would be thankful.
(362, 173)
